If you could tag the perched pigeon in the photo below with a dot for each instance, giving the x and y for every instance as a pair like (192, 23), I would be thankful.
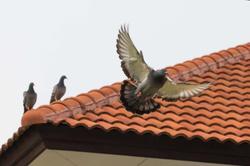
(29, 98)
(58, 90)
(138, 93)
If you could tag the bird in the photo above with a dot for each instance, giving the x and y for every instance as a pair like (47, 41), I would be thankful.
(29, 98)
(144, 83)
(58, 90)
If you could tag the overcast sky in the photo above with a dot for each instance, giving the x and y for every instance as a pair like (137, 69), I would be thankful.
(42, 40)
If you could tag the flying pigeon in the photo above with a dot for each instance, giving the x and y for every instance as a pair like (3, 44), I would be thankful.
(58, 90)
(29, 98)
(145, 83)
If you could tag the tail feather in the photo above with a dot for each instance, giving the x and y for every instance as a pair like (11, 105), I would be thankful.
(133, 103)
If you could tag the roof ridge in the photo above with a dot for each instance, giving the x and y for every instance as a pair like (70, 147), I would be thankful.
(183, 71)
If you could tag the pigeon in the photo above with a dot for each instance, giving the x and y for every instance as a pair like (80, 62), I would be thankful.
(58, 90)
(138, 93)
(29, 98)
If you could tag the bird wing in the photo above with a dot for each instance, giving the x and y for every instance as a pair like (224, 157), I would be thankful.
(24, 101)
(133, 63)
(52, 98)
(24, 97)
(24, 94)
(29, 100)
(171, 90)
(60, 92)
(35, 98)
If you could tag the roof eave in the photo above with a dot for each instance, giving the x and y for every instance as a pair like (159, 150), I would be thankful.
(47, 136)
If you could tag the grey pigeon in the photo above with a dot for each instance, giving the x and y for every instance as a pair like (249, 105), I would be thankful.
(58, 90)
(138, 93)
(29, 97)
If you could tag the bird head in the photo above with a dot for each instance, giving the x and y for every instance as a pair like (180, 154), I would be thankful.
(63, 77)
(161, 72)
(160, 75)
(61, 81)
(31, 84)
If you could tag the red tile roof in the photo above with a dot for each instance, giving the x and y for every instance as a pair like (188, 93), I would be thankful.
(221, 113)
(14, 138)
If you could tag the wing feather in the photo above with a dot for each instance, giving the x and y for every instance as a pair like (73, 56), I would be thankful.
(53, 95)
(133, 63)
(172, 90)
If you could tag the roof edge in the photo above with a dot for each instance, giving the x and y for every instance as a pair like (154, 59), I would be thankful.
(183, 71)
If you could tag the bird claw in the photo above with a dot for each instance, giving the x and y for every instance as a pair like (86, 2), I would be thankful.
(138, 94)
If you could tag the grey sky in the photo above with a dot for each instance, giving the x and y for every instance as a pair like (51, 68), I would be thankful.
(41, 40)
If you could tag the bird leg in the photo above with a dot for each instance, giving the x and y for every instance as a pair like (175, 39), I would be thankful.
(138, 94)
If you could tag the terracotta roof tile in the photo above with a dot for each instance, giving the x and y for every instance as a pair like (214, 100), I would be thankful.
(11, 140)
(221, 113)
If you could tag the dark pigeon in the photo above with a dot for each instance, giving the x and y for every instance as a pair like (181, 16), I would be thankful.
(58, 90)
(29, 98)
(145, 83)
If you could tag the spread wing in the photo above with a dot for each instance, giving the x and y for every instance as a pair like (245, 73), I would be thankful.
(172, 90)
(133, 63)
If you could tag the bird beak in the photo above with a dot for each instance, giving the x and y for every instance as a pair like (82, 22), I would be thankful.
(170, 79)
(166, 75)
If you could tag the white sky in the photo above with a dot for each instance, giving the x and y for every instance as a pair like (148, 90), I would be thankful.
(41, 40)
